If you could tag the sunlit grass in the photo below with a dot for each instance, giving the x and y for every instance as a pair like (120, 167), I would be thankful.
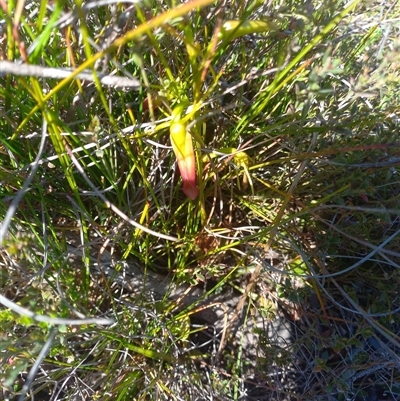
(293, 117)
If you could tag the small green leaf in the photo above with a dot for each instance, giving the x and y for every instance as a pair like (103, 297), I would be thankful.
(234, 29)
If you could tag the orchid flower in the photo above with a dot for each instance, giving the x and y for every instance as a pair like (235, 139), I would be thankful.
(182, 145)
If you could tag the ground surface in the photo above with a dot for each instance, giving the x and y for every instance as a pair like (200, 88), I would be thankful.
(279, 280)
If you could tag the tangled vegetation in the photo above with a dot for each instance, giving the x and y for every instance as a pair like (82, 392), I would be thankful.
(199, 200)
